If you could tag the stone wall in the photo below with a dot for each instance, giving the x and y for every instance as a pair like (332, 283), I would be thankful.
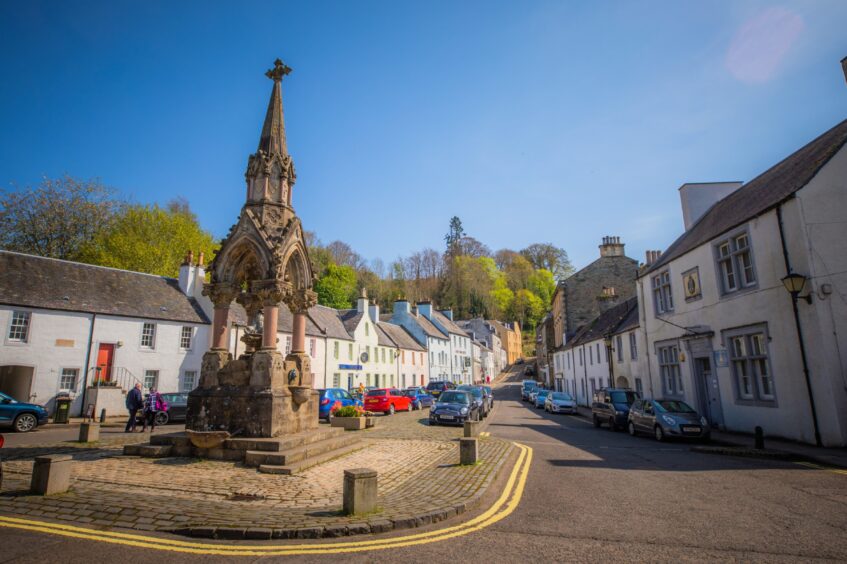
(582, 292)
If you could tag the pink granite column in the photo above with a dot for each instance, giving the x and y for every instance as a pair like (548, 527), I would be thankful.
(271, 315)
(298, 337)
(219, 327)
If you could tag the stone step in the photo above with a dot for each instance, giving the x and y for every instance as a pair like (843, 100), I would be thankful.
(174, 439)
(305, 463)
(256, 458)
(154, 451)
(279, 444)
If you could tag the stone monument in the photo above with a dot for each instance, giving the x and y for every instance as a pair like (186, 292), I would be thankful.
(263, 262)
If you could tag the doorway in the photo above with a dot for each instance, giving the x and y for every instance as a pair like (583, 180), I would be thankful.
(16, 381)
(105, 359)
(710, 395)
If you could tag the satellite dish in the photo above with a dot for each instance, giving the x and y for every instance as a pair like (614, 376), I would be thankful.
(364, 357)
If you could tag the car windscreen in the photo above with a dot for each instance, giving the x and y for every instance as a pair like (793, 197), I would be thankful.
(543, 393)
(410, 393)
(674, 406)
(624, 397)
(453, 397)
(376, 393)
(434, 386)
(562, 396)
(528, 385)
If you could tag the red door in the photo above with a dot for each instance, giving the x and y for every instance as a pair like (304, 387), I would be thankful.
(104, 362)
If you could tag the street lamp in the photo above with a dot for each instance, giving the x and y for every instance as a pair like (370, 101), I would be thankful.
(795, 283)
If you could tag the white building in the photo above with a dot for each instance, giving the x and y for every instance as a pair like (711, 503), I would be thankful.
(436, 343)
(374, 350)
(723, 332)
(67, 325)
(413, 360)
(461, 368)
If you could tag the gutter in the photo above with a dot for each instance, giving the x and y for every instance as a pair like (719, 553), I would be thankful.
(87, 360)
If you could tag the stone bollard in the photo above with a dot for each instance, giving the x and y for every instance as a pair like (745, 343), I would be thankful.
(51, 474)
(360, 488)
(759, 438)
(472, 428)
(468, 451)
(89, 432)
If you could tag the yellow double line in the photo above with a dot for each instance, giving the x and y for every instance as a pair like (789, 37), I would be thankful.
(819, 467)
(502, 508)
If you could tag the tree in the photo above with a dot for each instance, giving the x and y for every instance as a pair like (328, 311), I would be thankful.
(148, 238)
(549, 257)
(454, 236)
(505, 257)
(469, 246)
(527, 308)
(336, 286)
(57, 217)
(344, 255)
(518, 273)
(542, 284)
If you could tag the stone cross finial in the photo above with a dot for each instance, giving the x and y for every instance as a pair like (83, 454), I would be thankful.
(280, 69)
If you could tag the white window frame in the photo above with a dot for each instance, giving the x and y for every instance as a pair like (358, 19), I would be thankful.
(633, 346)
(183, 337)
(19, 333)
(154, 374)
(64, 374)
(670, 369)
(750, 366)
(148, 336)
(183, 382)
(619, 345)
(734, 264)
(662, 292)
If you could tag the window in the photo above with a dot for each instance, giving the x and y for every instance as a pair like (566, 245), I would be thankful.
(151, 378)
(639, 386)
(735, 263)
(403, 357)
(749, 361)
(619, 345)
(662, 297)
(591, 356)
(288, 345)
(313, 345)
(432, 358)
(633, 349)
(420, 358)
(148, 335)
(335, 350)
(19, 329)
(68, 379)
(185, 338)
(669, 370)
(367, 329)
(368, 349)
(189, 380)
(336, 380)
(569, 355)
(599, 358)
(350, 351)
(383, 355)
(581, 354)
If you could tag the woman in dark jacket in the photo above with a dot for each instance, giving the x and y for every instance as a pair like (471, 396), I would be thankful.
(153, 404)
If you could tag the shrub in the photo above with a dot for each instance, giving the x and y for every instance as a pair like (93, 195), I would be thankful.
(348, 411)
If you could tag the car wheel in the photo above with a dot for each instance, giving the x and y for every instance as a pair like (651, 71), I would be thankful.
(612, 425)
(595, 420)
(411, 407)
(25, 422)
(631, 429)
(162, 418)
(391, 409)
(419, 405)
(660, 434)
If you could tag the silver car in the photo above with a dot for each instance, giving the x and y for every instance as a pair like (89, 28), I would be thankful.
(665, 419)
(560, 402)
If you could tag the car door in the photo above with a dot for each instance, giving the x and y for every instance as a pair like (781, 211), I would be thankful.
(635, 413)
(648, 416)
(346, 398)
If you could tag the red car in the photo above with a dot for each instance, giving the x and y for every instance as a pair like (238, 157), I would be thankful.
(387, 400)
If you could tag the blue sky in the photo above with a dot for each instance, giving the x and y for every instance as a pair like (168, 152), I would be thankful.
(533, 121)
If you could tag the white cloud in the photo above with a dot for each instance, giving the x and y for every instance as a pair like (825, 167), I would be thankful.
(761, 44)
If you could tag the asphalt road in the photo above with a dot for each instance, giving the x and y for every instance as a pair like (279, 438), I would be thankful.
(595, 495)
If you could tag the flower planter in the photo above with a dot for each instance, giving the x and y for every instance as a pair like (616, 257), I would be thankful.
(371, 421)
(349, 423)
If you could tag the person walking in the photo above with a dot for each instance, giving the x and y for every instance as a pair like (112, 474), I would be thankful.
(153, 403)
(134, 402)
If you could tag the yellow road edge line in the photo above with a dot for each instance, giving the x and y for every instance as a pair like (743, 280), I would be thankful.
(825, 468)
(489, 517)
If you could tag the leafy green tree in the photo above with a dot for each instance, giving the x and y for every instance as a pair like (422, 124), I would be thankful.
(542, 284)
(527, 308)
(549, 257)
(337, 286)
(149, 238)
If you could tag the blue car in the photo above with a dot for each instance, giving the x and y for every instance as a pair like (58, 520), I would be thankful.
(331, 397)
(22, 417)
(420, 397)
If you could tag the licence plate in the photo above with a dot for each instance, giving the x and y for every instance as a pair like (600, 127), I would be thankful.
(690, 429)
(447, 417)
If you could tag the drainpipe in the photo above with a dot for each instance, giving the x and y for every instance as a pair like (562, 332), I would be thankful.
(797, 324)
(87, 360)
(585, 376)
(646, 338)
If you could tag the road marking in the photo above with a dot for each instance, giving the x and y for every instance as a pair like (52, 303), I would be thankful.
(502, 508)
(819, 467)
(485, 434)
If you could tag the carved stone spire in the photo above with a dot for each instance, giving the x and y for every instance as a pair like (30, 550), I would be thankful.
(270, 171)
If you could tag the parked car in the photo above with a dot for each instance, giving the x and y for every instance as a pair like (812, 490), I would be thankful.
(22, 417)
(529, 371)
(527, 386)
(667, 418)
(540, 398)
(490, 397)
(435, 388)
(332, 397)
(560, 402)
(387, 400)
(478, 396)
(175, 412)
(420, 397)
(454, 407)
(519, 361)
(611, 406)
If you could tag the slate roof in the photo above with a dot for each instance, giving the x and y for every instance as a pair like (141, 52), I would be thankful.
(27, 280)
(350, 318)
(608, 322)
(429, 328)
(447, 324)
(382, 337)
(760, 195)
(286, 322)
(328, 322)
(400, 336)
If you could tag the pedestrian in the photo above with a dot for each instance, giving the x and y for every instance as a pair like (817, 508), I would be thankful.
(488, 379)
(153, 404)
(134, 402)
(362, 389)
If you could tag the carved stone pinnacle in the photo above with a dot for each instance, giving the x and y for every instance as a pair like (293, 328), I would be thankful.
(280, 69)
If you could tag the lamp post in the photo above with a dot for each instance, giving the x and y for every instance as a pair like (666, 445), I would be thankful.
(607, 340)
(794, 284)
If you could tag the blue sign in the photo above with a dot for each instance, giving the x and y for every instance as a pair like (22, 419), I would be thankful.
(350, 366)
(721, 358)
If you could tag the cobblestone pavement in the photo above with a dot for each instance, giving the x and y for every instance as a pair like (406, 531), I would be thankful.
(419, 483)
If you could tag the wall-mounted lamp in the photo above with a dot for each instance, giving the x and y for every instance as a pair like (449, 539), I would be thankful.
(794, 284)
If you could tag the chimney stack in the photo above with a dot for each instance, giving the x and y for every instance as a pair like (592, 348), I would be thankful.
(200, 259)
(611, 247)
(362, 302)
(652, 257)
